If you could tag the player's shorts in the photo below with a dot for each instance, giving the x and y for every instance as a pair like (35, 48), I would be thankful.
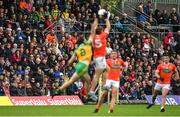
(100, 62)
(112, 83)
(161, 86)
(81, 69)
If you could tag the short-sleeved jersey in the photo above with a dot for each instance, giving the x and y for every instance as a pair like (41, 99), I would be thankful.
(115, 68)
(99, 44)
(166, 72)
(84, 52)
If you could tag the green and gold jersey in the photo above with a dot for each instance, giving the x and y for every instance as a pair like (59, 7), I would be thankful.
(84, 52)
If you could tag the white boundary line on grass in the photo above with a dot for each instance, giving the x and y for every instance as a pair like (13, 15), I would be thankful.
(88, 116)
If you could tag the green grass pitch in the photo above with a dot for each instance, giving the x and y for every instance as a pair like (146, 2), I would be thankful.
(87, 110)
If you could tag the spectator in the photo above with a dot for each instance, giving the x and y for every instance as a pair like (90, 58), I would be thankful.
(147, 8)
(41, 14)
(174, 14)
(141, 18)
(56, 73)
(66, 14)
(117, 24)
(48, 22)
(29, 90)
(73, 39)
(147, 41)
(175, 23)
(177, 41)
(20, 37)
(35, 34)
(72, 90)
(13, 89)
(7, 51)
(175, 88)
(46, 12)
(52, 62)
(1, 91)
(34, 16)
(37, 91)
(20, 90)
(94, 6)
(39, 76)
(125, 22)
(70, 71)
(51, 37)
(125, 90)
(168, 39)
(23, 5)
(31, 62)
(16, 57)
(19, 70)
(108, 48)
(165, 17)
(55, 12)
(147, 86)
(29, 6)
(54, 87)
(44, 66)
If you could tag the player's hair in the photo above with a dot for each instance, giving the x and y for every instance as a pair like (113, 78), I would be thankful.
(114, 51)
(99, 29)
(165, 54)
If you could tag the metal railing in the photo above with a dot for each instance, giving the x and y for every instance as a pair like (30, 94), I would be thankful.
(165, 27)
(67, 25)
(170, 26)
(134, 10)
(46, 30)
(130, 18)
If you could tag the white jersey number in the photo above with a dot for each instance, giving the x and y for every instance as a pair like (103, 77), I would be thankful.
(97, 43)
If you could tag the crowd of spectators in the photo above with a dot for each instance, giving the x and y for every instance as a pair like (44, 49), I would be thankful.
(147, 15)
(32, 62)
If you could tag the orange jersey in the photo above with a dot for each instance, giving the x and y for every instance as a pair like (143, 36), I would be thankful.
(115, 68)
(51, 38)
(99, 44)
(166, 72)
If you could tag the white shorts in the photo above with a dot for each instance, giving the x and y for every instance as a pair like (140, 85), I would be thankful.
(161, 86)
(100, 62)
(110, 83)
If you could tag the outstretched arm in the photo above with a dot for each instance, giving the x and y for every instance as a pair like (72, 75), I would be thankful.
(108, 25)
(94, 26)
(93, 30)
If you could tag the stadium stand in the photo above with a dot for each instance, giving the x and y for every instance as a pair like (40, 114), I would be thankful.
(37, 37)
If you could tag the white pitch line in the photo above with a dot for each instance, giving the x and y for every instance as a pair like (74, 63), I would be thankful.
(88, 116)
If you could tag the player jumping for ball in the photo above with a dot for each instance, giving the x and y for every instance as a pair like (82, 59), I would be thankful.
(84, 55)
(99, 52)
